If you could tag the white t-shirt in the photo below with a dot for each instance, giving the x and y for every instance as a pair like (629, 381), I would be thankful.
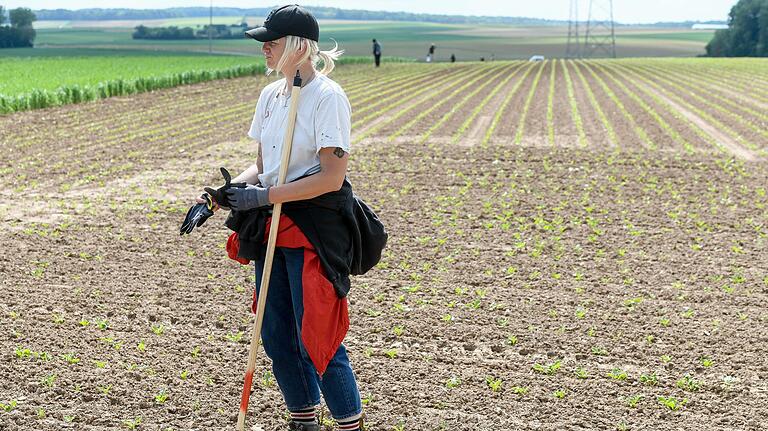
(322, 120)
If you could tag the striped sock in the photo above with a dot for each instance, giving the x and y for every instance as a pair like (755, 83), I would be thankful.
(351, 423)
(304, 416)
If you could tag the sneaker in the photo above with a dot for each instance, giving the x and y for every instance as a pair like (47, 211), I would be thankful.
(295, 426)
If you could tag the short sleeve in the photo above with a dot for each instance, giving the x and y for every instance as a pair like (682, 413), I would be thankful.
(333, 122)
(258, 117)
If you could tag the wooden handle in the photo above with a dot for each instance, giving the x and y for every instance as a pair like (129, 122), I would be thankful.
(273, 229)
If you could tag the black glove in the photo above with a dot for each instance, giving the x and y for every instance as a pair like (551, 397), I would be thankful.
(220, 195)
(197, 215)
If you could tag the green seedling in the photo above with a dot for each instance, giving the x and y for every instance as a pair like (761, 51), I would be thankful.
(158, 329)
(633, 400)
(132, 424)
(706, 361)
(520, 390)
(391, 353)
(40, 413)
(494, 384)
(22, 353)
(267, 379)
(49, 380)
(581, 373)
(672, 403)
(548, 369)
(688, 383)
(560, 393)
(10, 406)
(234, 337)
(453, 382)
(649, 379)
(618, 374)
(161, 397)
(71, 358)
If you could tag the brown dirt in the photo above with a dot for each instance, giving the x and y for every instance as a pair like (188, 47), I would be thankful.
(429, 100)
(535, 130)
(502, 261)
(479, 126)
(720, 137)
(661, 138)
(507, 126)
(623, 128)
(566, 134)
(453, 114)
(703, 82)
(752, 138)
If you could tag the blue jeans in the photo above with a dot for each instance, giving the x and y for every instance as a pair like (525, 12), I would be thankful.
(281, 336)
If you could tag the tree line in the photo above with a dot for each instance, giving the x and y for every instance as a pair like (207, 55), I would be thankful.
(319, 12)
(19, 34)
(94, 14)
(747, 32)
(217, 31)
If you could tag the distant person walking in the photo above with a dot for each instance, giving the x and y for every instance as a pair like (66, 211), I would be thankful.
(431, 53)
(376, 52)
(453, 58)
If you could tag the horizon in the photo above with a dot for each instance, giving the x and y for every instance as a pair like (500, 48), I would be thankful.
(630, 12)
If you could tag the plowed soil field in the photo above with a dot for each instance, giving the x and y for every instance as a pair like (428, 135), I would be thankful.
(582, 245)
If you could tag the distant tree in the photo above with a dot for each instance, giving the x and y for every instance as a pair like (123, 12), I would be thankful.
(22, 17)
(20, 33)
(140, 33)
(747, 33)
(163, 33)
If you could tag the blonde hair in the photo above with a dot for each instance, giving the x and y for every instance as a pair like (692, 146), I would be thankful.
(313, 53)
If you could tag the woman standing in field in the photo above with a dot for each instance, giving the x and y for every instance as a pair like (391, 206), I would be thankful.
(306, 317)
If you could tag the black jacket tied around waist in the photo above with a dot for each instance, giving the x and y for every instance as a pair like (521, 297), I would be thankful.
(346, 233)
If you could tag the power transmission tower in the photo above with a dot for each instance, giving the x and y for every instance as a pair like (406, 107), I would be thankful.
(600, 40)
(574, 45)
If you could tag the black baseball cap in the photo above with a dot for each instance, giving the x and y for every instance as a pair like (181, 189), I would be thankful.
(288, 20)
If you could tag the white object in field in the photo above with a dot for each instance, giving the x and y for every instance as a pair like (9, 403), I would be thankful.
(537, 58)
(257, 428)
(709, 27)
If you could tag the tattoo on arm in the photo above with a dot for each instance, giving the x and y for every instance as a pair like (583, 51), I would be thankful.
(338, 152)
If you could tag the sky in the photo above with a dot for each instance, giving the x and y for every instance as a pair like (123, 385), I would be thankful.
(625, 11)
